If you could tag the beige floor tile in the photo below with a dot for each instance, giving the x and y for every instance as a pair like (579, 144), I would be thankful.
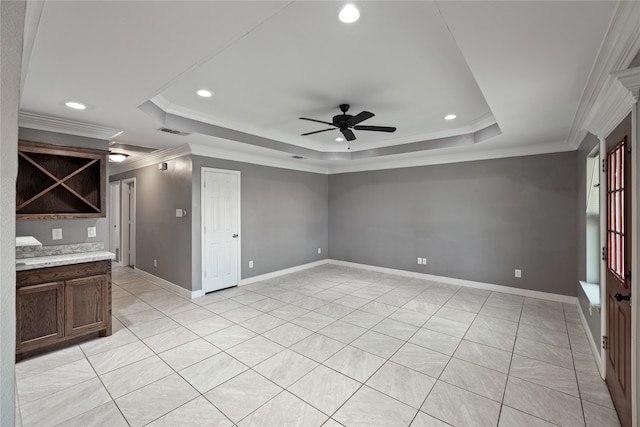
(155, 400)
(342, 331)
(170, 339)
(424, 420)
(287, 334)
(542, 402)
(243, 394)
(137, 375)
(460, 407)
(410, 316)
(421, 359)
(318, 347)
(361, 318)
(545, 352)
(325, 389)
(45, 362)
(369, 407)
(211, 372)
(119, 357)
(104, 415)
(435, 341)
(65, 404)
(475, 378)
(396, 329)
(285, 368)
(490, 337)
(229, 337)
(544, 374)
(446, 326)
(117, 339)
(355, 363)
(547, 336)
(209, 325)
(378, 344)
(505, 327)
(54, 380)
(285, 410)
(408, 386)
(255, 350)
(313, 321)
(262, 323)
(510, 417)
(187, 354)
(198, 412)
(154, 327)
(593, 389)
(599, 416)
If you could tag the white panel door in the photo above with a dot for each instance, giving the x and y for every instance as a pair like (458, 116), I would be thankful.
(220, 221)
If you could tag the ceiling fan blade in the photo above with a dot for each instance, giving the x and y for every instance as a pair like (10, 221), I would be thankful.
(359, 118)
(318, 131)
(349, 136)
(317, 121)
(376, 128)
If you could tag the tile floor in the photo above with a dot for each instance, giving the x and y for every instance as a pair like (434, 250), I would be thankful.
(328, 346)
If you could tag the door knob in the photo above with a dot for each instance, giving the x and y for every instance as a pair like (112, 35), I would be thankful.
(620, 297)
(234, 236)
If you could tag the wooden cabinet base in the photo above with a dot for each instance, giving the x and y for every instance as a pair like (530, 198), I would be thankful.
(58, 306)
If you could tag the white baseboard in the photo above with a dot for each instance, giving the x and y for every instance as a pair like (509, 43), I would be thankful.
(595, 349)
(171, 287)
(273, 274)
(461, 282)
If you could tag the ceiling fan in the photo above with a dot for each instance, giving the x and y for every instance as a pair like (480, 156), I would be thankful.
(345, 122)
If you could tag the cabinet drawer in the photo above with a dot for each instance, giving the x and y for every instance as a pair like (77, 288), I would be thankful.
(62, 273)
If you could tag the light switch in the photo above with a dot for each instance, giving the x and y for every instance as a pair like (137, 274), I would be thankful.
(91, 232)
(180, 213)
(56, 233)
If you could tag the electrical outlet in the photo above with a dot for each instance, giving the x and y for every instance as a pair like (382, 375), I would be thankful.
(319, 250)
(56, 233)
(251, 264)
(518, 273)
(91, 232)
(420, 261)
(155, 262)
(424, 261)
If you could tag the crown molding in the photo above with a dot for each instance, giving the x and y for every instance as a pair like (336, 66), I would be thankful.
(299, 165)
(150, 159)
(611, 107)
(71, 127)
(620, 45)
(630, 79)
(455, 157)
(32, 15)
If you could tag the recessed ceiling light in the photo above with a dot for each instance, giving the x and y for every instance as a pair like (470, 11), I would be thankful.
(349, 14)
(339, 139)
(75, 105)
(205, 93)
(450, 117)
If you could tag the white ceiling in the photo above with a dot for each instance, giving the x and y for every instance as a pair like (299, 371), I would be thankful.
(525, 68)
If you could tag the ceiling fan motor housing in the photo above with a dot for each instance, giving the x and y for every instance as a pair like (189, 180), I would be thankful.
(341, 120)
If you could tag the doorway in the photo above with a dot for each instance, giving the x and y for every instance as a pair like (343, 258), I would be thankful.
(128, 222)
(618, 270)
(220, 191)
(114, 219)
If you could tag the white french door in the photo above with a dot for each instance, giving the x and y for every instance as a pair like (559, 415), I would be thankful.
(220, 228)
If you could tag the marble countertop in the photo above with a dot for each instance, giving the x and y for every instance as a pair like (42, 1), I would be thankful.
(65, 259)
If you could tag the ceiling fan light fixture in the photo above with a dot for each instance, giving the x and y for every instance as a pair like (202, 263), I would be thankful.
(349, 14)
(204, 93)
(117, 157)
(450, 117)
(75, 105)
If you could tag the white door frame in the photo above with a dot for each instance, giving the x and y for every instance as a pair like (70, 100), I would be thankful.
(128, 250)
(202, 221)
(114, 220)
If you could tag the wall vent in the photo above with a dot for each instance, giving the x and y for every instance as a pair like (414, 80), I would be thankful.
(173, 131)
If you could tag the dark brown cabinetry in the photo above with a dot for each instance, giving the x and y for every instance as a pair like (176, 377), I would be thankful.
(60, 182)
(57, 304)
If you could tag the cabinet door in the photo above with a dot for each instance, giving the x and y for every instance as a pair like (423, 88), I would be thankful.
(39, 315)
(86, 304)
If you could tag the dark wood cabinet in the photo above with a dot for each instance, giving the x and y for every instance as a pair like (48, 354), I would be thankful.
(57, 182)
(58, 304)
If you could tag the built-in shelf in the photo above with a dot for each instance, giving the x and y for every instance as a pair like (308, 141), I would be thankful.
(57, 182)
(592, 291)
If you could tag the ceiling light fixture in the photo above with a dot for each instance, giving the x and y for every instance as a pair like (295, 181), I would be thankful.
(204, 93)
(349, 14)
(75, 105)
(339, 139)
(117, 157)
(450, 117)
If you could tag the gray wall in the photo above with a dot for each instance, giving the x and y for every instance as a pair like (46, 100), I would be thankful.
(73, 230)
(476, 221)
(159, 234)
(593, 320)
(284, 217)
(12, 16)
